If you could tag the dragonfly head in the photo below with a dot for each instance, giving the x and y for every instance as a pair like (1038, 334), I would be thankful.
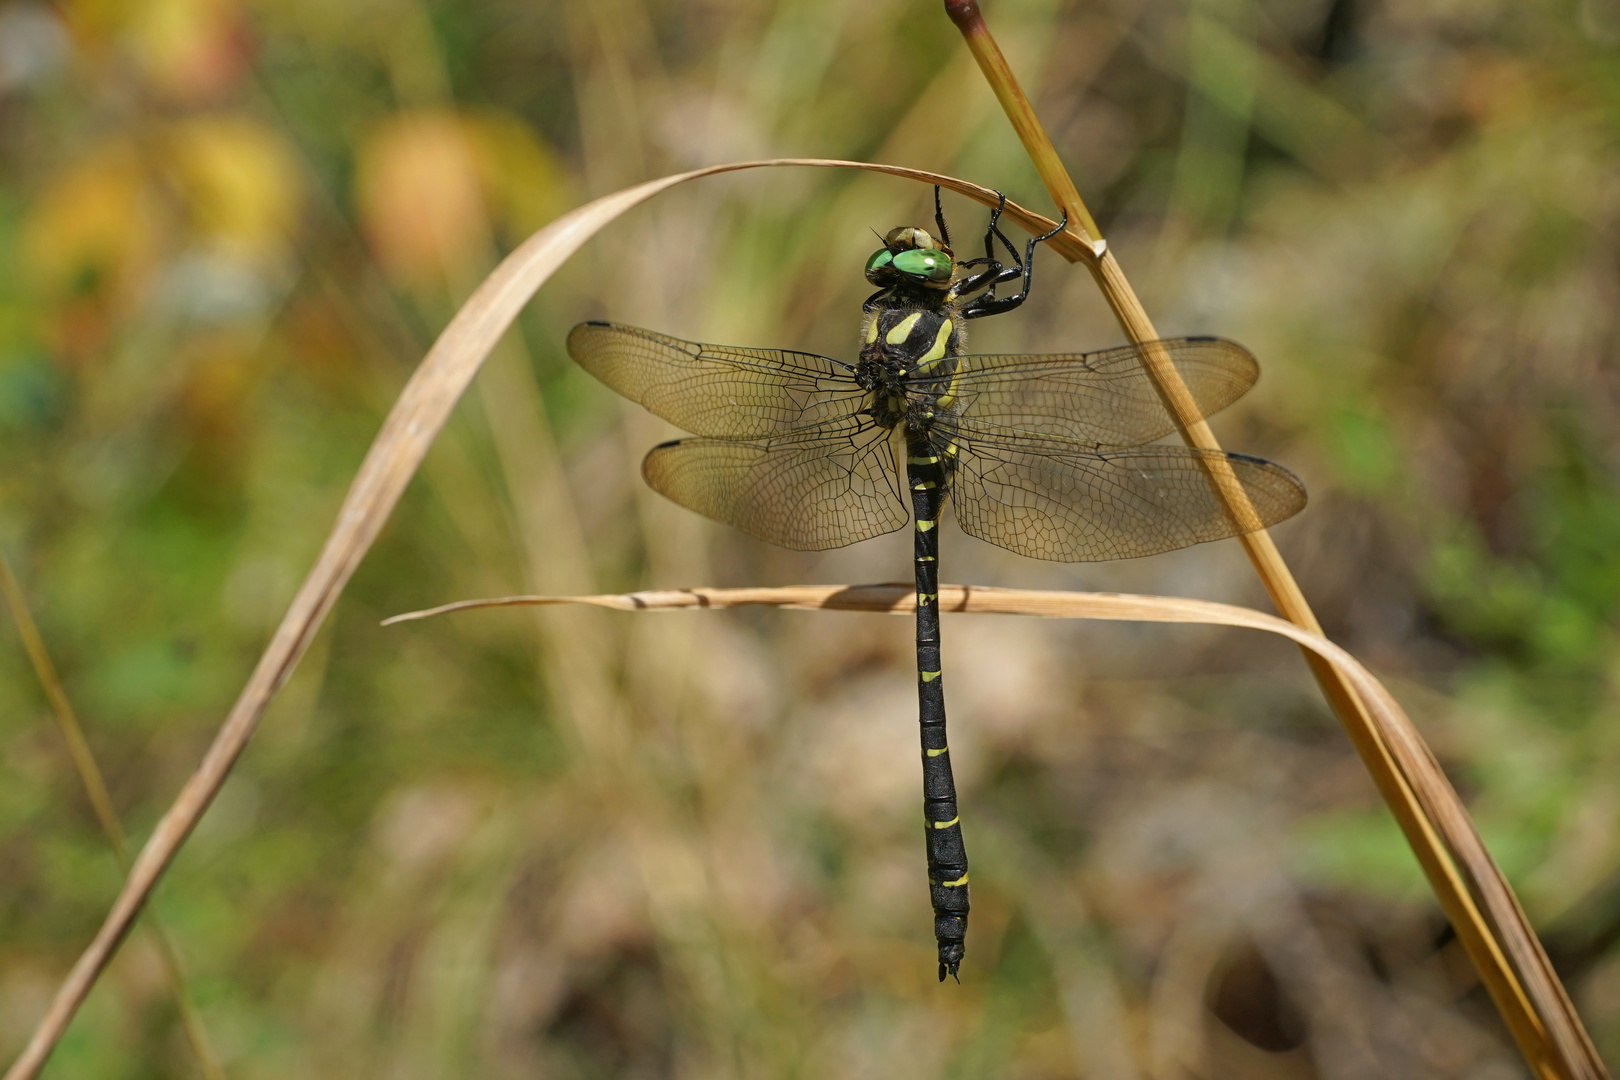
(910, 256)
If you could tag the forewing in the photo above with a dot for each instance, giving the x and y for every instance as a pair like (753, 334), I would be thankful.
(716, 390)
(1068, 503)
(809, 490)
(1100, 398)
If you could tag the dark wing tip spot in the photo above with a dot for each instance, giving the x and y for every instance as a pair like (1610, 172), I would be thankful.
(1205, 338)
(595, 322)
(1280, 472)
(666, 445)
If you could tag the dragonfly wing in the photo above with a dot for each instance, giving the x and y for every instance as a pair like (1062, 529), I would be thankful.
(810, 491)
(716, 390)
(1100, 398)
(1070, 503)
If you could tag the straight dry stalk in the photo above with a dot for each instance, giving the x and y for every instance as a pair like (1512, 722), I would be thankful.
(1471, 891)
(95, 787)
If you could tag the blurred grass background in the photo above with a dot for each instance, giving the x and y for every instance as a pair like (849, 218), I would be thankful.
(588, 845)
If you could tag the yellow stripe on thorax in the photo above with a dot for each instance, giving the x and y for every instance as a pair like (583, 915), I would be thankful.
(902, 329)
(936, 352)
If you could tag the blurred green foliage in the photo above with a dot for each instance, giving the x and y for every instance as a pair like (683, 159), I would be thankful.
(583, 846)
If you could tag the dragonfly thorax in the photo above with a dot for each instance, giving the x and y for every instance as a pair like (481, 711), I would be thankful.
(910, 338)
(905, 350)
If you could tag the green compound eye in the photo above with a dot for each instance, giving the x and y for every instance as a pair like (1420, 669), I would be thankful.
(880, 258)
(919, 262)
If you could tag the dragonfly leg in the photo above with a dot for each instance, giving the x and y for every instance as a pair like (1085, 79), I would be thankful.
(996, 272)
(989, 303)
(876, 300)
(992, 232)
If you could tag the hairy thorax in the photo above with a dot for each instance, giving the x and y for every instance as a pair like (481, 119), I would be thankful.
(908, 352)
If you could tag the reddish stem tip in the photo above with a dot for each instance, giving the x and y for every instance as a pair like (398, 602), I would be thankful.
(964, 13)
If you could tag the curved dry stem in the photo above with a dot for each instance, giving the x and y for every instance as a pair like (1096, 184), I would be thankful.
(1528, 994)
(416, 418)
(1451, 843)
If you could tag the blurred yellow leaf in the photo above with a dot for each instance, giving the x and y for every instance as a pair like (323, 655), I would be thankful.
(94, 229)
(186, 50)
(95, 21)
(418, 194)
(430, 185)
(240, 182)
(524, 182)
(190, 50)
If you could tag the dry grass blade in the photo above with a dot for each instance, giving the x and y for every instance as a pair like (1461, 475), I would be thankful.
(95, 787)
(416, 418)
(1450, 842)
(1488, 919)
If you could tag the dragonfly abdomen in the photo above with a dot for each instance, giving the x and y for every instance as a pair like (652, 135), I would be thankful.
(928, 479)
(908, 354)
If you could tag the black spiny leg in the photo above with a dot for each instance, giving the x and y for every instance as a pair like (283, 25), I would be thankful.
(989, 304)
(927, 477)
(875, 301)
(992, 233)
(939, 221)
(994, 273)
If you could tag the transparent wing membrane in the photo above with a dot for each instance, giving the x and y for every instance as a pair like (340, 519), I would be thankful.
(1068, 503)
(1098, 398)
(716, 390)
(1048, 451)
(811, 491)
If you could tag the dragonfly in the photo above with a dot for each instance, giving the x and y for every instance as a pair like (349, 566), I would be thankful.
(1051, 456)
